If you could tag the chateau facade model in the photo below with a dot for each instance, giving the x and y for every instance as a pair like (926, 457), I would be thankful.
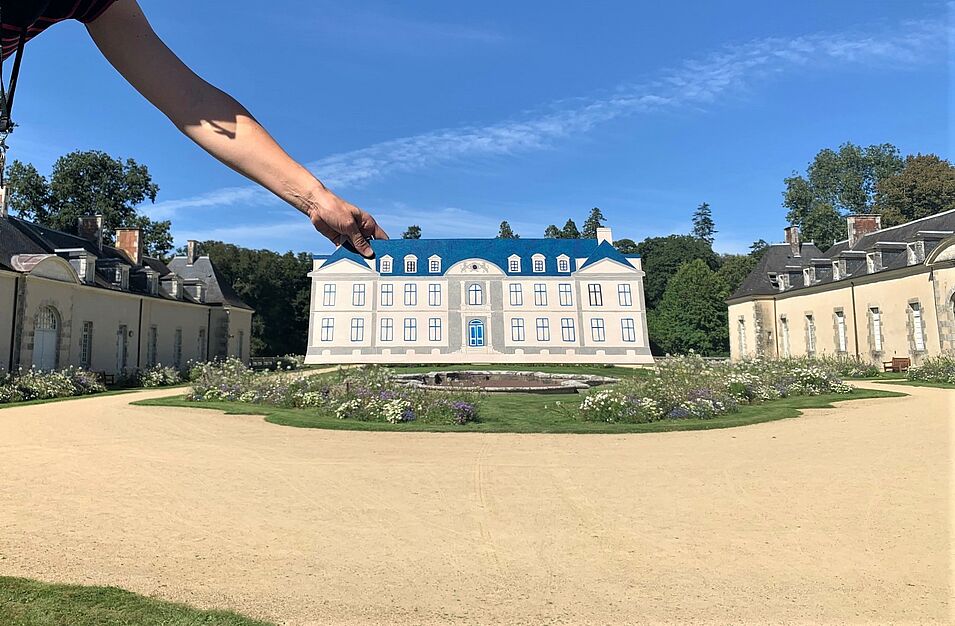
(879, 294)
(72, 300)
(479, 301)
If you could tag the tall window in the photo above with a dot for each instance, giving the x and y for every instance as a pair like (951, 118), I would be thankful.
(411, 329)
(240, 351)
(543, 329)
(411, 294)
(538, 263)
(387, 295)
(152, 346)
(741, 336)
(387, 332)
(434, 329)
(517, 329)
(411, 265)
(810, 334)
(566, 294)
(624, 294)
(434, 294)
(514, 265)
(357, 329)
(841, 340)
(517, 294)
(628, 330)
(122, 347)
(434, 265)
(875, 315)
(918, 329)
(328, 329)
(203, 347)
(386, 265)
(358, 294)
(567, 330)
(540, 294)
(475, 295)
(177, 349)
(563, 265)
(596, 294)
(329, 295)
(598, 330)
(86, 346)
(784, 331)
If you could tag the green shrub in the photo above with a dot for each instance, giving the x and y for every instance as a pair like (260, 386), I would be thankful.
(936, 369)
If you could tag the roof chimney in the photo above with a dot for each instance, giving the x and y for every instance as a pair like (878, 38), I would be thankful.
(792, 238)
(90, 227)
(860, 225)
(604, 234)
(192, 251)
(3, 201)
(130, 241)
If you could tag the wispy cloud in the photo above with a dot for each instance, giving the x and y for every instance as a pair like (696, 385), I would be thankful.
(693, 83)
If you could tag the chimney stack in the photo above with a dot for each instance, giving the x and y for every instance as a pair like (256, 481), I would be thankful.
(90, 227)
(130, 241)
(3, 201)
(604, 234)
(792, 238)
(192, 251)
(860, 225)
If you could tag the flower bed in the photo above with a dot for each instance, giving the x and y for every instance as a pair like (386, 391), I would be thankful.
(689, 387)
(366, 394)
(45, 385)
(159, 376)
(936, 369)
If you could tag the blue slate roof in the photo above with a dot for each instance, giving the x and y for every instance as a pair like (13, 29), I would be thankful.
(496, 251)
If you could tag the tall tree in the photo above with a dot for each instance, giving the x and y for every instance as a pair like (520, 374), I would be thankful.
(924, 187)
(413, 232)
(570, 231)
(594, 221)
(734, 268)
(87, 183)
(663, 256)
(506, 232)
(552, 232)
(703, 226)
(625, 246)
(692, 314)
(757, 248)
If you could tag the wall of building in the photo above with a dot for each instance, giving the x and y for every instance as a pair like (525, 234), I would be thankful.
(169, 317)
(8, 283)
(240, 333)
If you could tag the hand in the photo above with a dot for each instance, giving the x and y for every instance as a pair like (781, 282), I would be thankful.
(344, 223)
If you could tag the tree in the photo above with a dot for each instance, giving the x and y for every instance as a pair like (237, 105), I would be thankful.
(87, 183)
(413, 232)
(594, 221)
(757, 248)
(552, 232)
(570, 231)
(506, 232)
(663, 256)
(838, 183)
(625, 246)
(734, 268)
(924, 187)
(692, 314)
(703, 226)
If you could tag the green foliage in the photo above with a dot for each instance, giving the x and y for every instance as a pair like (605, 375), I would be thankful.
(924, 187)
(594, 221)
(506, 232)
(570, 231)
(625, 246)
(87, 183)
(692, 313)
(938, 369)
(552, 232)
(413, 232)
(757, 248)
(28, 385)
(703, 225)
(663, 256)
(159, 375)
(734, 268)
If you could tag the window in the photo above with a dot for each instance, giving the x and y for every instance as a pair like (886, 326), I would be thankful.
(543, 329)
(434, 329)
(202, 350)
(476, 334)
(152, 346)
(122, 348)
(840, 331)
(240, 348)
(517, 295)
(598, 330)
(411, 329)
(596, 294)
(628, 330)
(567, 331)
(875, 315)
(918, 329)
(434, 265)
(563, 264)
(386, 265)
(328, 329)
(411, 264)
(540, 294)
(329, 296)
(86, 346)
(387, 295)
(517, 329)
(810, 335)
(357, 329)
(387, 332)
(624, 294)
(475, 295)
(177, 349)
(538, 263)
(784, 330)
(566, 294)
(358, 294)
(741, 336)
(411, 294)
(514, 264)
(434, 294)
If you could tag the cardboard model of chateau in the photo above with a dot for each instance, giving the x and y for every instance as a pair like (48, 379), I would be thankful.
(479, 301)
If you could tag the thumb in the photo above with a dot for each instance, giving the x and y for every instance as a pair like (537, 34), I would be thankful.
(361, 244)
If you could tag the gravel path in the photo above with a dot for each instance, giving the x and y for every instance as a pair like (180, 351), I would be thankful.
(838, 516)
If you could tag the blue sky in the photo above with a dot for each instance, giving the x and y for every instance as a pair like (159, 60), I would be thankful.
(455, 116)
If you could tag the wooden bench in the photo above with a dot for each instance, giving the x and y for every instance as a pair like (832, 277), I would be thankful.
(897, 364)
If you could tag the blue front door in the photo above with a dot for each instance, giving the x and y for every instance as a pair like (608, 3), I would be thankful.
(476, 334)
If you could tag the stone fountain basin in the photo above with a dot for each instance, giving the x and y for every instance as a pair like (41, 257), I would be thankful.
(502, 381)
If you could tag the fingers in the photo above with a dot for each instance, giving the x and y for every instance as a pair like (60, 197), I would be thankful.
(359, 240)
(370, 227)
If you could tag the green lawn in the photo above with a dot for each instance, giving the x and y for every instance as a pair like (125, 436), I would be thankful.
(528, 413)
(31, 603)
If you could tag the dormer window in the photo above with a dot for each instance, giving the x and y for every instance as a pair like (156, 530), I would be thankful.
(514, 264)
(538, 263)
(774, 280)
(121, 277)
(152, 282)
(434, 264)
(836, 271)
(915, 253)
(563, 263)
(386, 265)
(809, 275)
(411, 264)
(873, 262)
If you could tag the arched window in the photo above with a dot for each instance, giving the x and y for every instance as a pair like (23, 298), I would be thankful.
(475, 295)
(46, 338)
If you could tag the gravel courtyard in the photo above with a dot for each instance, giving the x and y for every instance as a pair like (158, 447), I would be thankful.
(841, 515)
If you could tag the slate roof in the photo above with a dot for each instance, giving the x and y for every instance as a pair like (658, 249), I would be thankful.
(775, 258)
(218, 289)
(497, 251)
